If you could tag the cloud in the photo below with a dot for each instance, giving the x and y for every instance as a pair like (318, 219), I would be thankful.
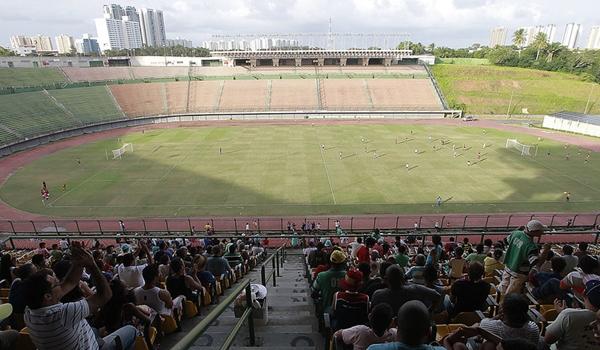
(445, 22)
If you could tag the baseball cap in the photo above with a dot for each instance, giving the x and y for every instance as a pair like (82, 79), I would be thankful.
(5, 311)
(592, 292)
(536, 225)
(352, 281)
(338, 257)
(328, 243)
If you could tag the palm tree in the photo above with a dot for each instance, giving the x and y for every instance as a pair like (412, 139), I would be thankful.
(552, 49)
(540, 43)
(519, 39)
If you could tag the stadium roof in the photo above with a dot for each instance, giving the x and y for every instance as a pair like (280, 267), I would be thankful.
(579, 117)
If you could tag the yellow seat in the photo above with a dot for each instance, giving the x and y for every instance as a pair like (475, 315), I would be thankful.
(168, 324)
(189, 309)
(140, 341)
(206, 298)
(24, 341)
(550, 315)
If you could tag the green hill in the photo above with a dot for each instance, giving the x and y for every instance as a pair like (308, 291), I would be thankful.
(486, 89)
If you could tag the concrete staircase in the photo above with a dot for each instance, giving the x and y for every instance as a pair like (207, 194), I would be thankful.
(291, 317)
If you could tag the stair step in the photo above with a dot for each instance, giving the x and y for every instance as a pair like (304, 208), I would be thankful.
(263, 339)
(280, 319)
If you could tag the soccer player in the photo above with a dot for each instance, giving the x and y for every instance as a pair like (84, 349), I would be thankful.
(416, 150)
(568, 196)
(455, 154)
(454, 147)
(374, 154)
(407, 167)
(438, 201)
(340, 155)
(362, 139)
(322, 147)
(468, 163)
(78, 161)
(122, 226)
(220, 151)
(478, 155)
(64, 188)
(567, 156)
(484, 146)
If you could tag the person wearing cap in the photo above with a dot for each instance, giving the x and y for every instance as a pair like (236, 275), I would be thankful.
(327, 282)
(414, 329)
(573, 328)
(521, 255)
(350, 308)
(8, 338)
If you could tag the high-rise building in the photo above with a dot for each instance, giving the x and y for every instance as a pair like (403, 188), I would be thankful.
(42, 43)
(152, 26)
(571, 35)
(498, 37)
(64, 43)
(87, 45)
(178, 42)
(594, 39)
(550, 31)
(116, 34)
(17, 41)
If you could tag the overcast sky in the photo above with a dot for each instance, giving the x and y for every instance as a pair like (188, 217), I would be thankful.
(455, 23)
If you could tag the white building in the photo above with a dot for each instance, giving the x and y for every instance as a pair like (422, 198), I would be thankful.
(64, 43)
(178, 42)
(116, 34)
(550, 31)
(594, 39)
(42, 43)
(152, 26)
(572, 32)
(498, 37)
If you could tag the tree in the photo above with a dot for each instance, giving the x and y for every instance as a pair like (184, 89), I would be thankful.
(540, 43)
(519, 39)
(6, 52)
(552, 50)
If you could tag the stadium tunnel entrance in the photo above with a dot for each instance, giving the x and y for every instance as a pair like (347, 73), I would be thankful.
(376, 61)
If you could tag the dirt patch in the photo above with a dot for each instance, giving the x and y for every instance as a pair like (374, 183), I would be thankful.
(9, 164)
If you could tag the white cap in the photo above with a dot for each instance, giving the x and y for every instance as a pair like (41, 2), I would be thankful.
(536, 225)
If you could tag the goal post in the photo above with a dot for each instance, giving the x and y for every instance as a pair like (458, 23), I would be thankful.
(118, 153)
(525, 150)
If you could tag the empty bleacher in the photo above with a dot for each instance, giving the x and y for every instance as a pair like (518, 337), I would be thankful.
(204, 95)
(98, 73)
(17, 77)
(244, 95)
(158, 72)
(293, 95)
(142, 99)
(345, 94)
(90, 105)
(408, 93)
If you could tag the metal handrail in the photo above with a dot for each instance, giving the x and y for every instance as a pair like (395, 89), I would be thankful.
(188, 340)
(276, 261)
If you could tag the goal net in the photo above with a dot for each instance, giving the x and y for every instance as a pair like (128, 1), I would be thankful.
(117, 153)
(525, 150)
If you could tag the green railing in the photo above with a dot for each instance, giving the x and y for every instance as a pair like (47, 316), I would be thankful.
(201, 327)
(276, 260)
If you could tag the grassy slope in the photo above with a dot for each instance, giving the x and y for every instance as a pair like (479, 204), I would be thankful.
(270, 170)
(487, 89)
(465, 61)
(30, 76)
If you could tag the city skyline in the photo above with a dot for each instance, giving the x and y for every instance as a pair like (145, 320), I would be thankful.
(457, 23)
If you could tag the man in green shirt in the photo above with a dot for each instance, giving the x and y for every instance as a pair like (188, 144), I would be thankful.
(401, 258)
(326, 283)
(521, 255)
(478, 256)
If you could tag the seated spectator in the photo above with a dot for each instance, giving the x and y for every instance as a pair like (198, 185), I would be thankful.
(546, 264)
(206, 278)
(164, 267)
(158, 299)
(450, 246)
(232, 256)
(458, 265)
(570, 259)
(582, 250)
(379, 330)
(432, 281)
(42, 250)
(327, 282)
(350, 308)
(399, 292)
(55, 253)
(219, 266)
(478, 256)
(54, 325)
(402, 258)
(311, 248)
(493, 263)
(469, 294)
(514, 322)
(414, 329)
(317, 257)
(547, 284)
(180, 283)
(16, 296)
(377, 282)
(415, 273)
(131, 274)
(7, 264)
(487, 246)
(363, 254)
(120, 311)
(589, 269)
(39, 261)
(466, 246)
(572, 328)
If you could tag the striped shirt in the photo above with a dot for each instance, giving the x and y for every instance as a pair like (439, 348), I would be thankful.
(61, 326)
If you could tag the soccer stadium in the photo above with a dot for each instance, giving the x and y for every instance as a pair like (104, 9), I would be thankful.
(297, 199)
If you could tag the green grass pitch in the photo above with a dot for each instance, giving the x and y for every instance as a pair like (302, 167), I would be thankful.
(282, 170)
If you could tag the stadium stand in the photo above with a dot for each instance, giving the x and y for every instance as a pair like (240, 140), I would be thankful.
(142, 99)
(249, 95)
(90, 105)
(293, 95)
(98, 73)
(19, 77)
(177, 96)
(340, 94)
(406, 93)
(204, 96)
(31, 114)
(158, 72)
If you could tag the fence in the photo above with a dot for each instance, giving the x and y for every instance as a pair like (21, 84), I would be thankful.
(350, 224)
